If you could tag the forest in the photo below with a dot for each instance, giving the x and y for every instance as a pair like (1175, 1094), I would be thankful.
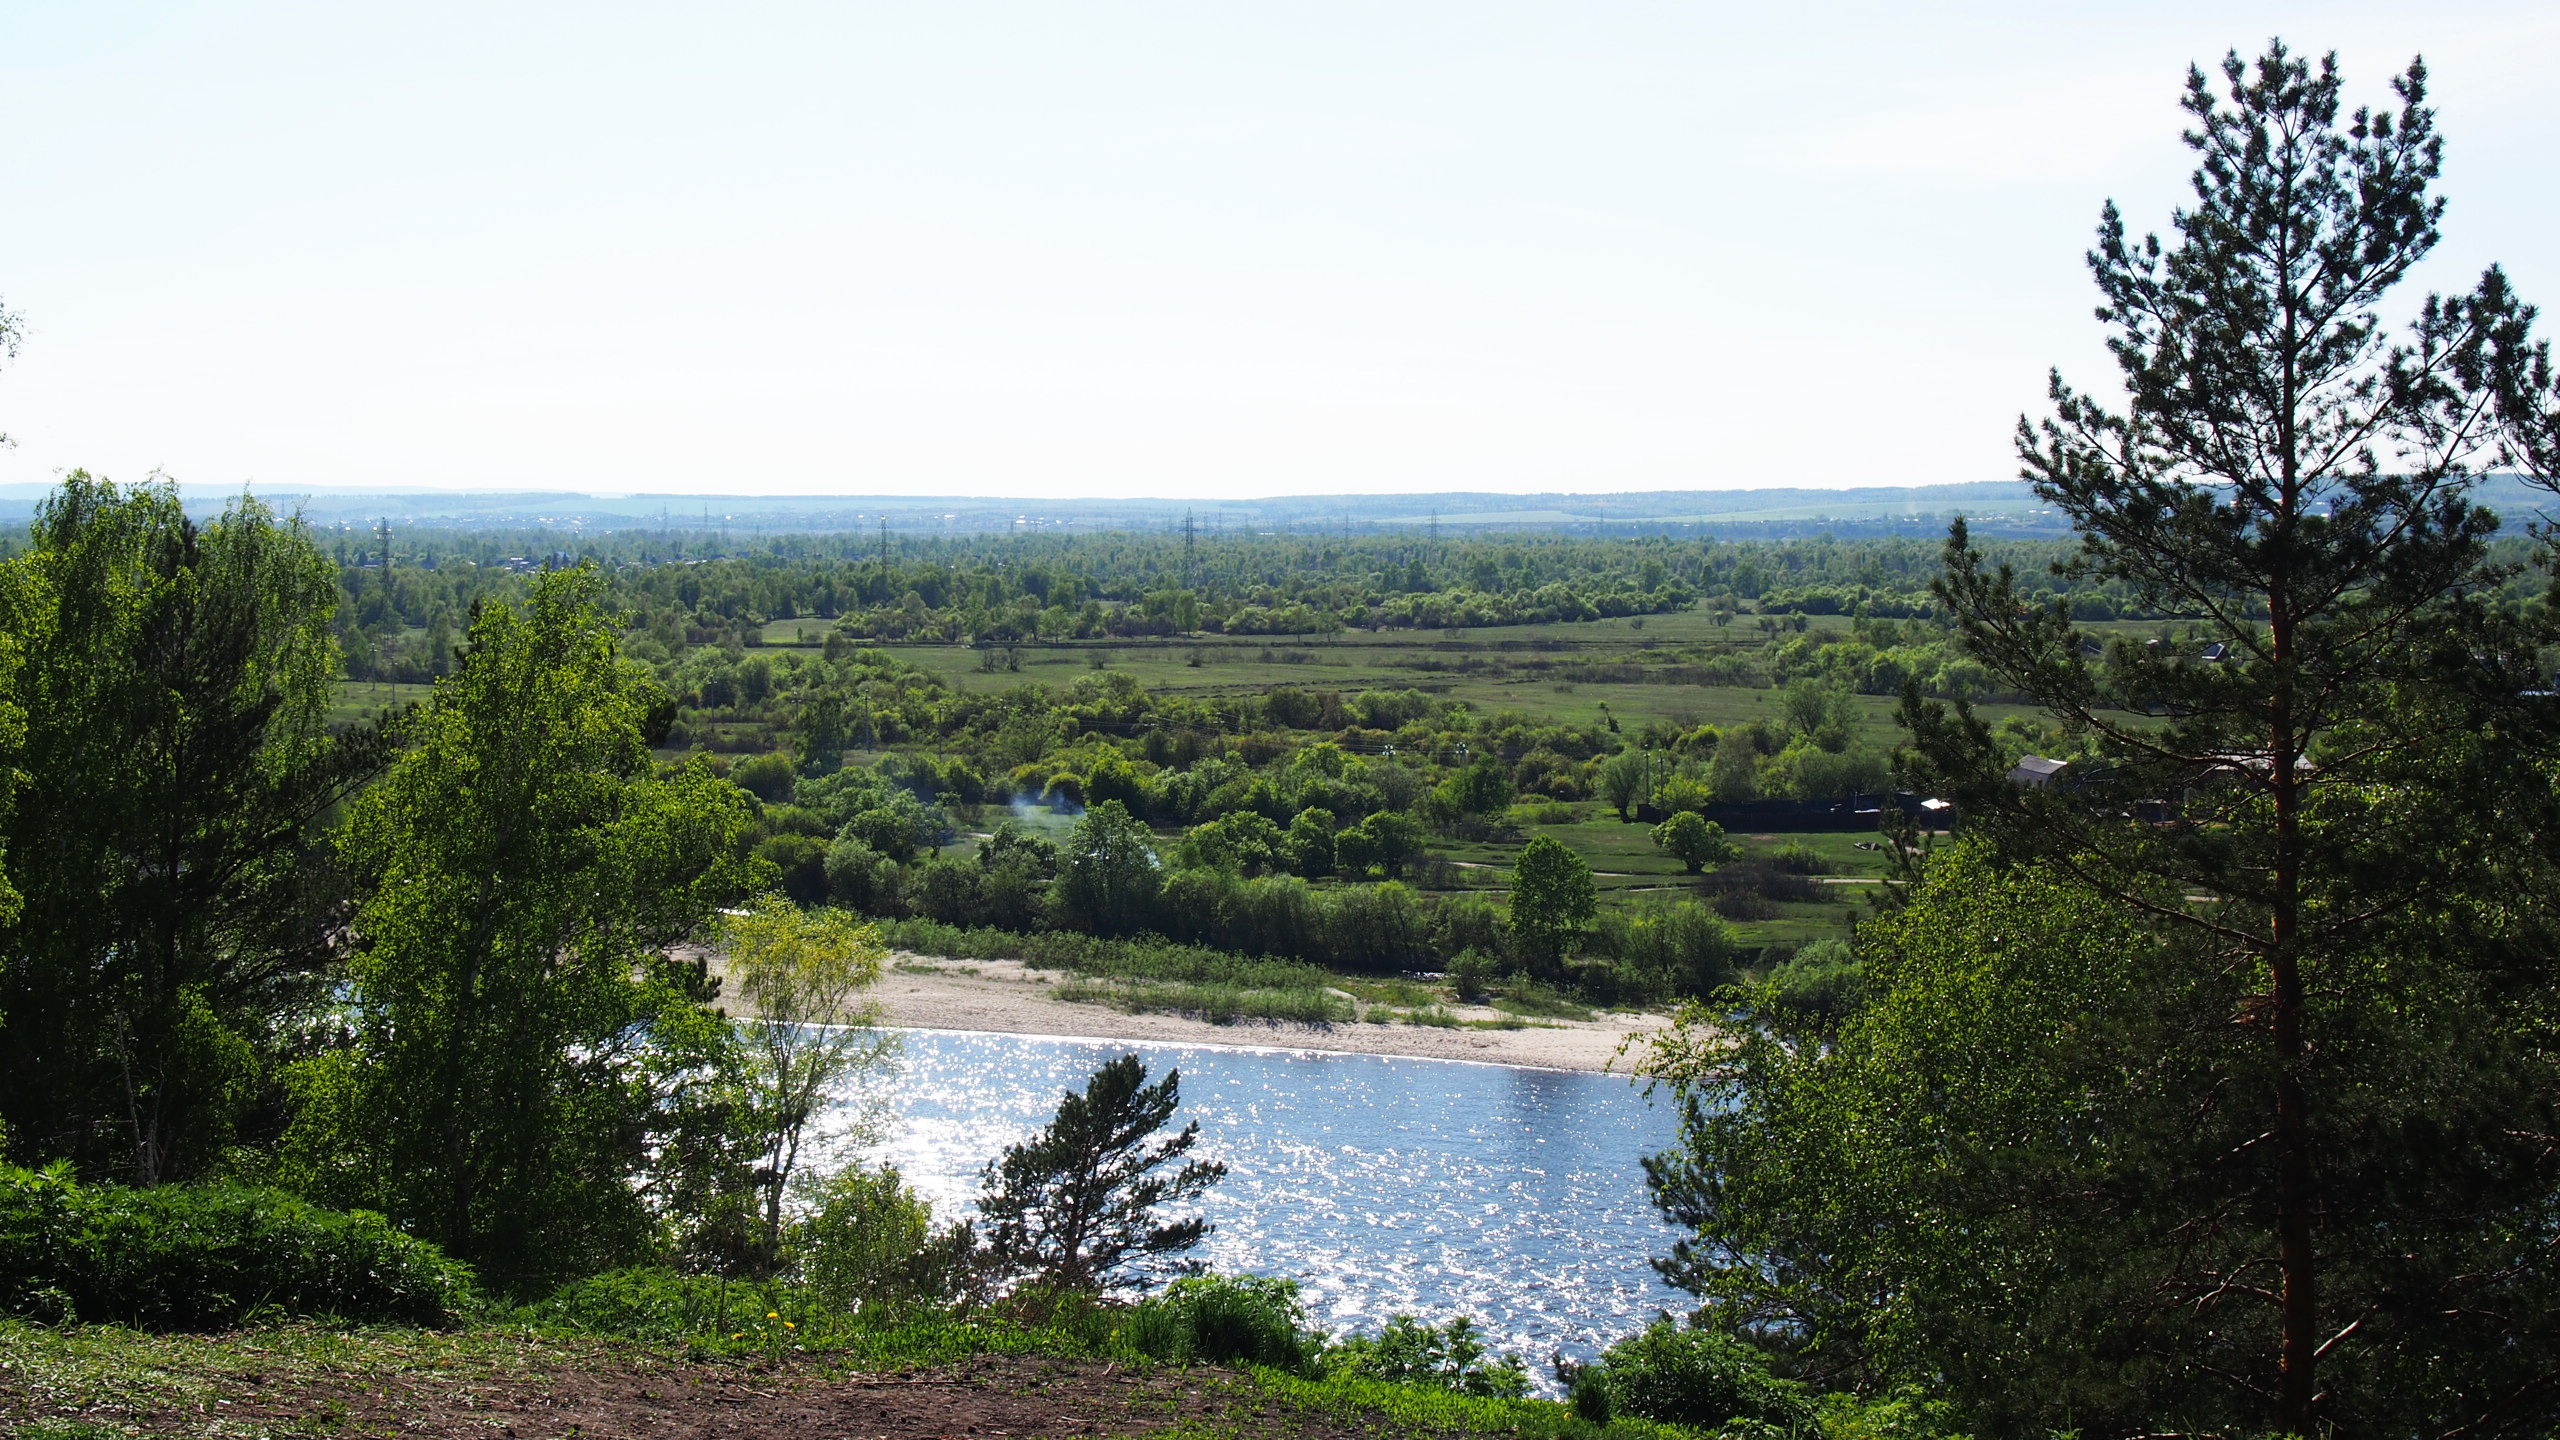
(446, 932)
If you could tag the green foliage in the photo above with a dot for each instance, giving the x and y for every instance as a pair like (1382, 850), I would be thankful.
(767, 777)
(1482, 787)
(1665, 949)
(1226, 1320)
(177, 763)
(1823, 978)
(518, 1025)
(207, 1256)
(2345, 701)
(1704, 1378)
(802, 975)
(1074, 1206)
(1694, 841)
(1551, 899)
(1471, 971)
(1447, 1356)
(1107, 873)
(1797, 858)
(1624, 780)
(1985, 1179)
(1240, 843)
(867, 1241)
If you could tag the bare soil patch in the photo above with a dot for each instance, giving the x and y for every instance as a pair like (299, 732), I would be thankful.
(648, 1397)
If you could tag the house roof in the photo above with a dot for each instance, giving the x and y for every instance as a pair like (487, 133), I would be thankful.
(2036, 770)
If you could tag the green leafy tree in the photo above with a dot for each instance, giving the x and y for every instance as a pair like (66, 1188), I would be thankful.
(1694, 841)
(1551, 900)
(1626, 781)
(1387, 839)
(179, 913)
(1107, 873)
(1239, 842)
(1734, 774)
(801, 975)
(1309, 843)
(520, 1028)
(2292, 478)
(1075, 1206)
(1481, 787)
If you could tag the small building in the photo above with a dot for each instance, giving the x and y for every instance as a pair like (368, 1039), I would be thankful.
(2035, 770)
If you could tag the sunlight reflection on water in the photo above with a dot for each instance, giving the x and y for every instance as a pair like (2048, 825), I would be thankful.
(1384, 1185)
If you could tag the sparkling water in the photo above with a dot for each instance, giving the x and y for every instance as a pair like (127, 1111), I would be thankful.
(1383, 1185)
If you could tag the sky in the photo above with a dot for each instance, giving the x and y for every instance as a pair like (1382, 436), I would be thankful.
(1198, 250)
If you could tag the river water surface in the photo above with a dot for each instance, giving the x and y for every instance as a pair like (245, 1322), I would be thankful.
(1384, 1185)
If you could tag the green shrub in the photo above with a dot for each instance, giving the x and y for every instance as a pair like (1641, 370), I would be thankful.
(1471, 973)
(1825, 978)
(869, 1240)
(1226, 1320)
(207, 1256)
(1797, 858)
(1448, 1356)
(653, 1303)
(1697, 1377)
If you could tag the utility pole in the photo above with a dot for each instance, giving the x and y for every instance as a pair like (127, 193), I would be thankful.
(1190, 547)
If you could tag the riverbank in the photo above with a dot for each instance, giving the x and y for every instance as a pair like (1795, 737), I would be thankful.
(1004, 996)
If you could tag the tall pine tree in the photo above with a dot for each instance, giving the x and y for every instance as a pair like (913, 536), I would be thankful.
(2284, 778)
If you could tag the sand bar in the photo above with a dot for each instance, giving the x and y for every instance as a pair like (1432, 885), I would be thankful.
(1003, 996)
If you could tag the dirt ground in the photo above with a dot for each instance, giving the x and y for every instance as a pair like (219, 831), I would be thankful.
(656, 1400)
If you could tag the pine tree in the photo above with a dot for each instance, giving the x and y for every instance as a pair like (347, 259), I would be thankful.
(2278, 775)
(1075, 1206)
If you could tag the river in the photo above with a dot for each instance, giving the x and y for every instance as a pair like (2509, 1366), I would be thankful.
(1383, 1185)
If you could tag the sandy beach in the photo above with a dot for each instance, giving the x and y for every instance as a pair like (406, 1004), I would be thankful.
(1001, 995)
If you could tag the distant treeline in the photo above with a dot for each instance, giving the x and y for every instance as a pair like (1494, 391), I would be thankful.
(408, 595)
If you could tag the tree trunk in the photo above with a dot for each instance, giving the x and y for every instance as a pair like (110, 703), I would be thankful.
(2295, 1184)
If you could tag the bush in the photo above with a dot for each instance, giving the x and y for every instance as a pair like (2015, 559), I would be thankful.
(767, 777)
(1797, 858)
(802, 862)
(1470, 973)
(1824, 978)
(183, 1257)
(652, 1303)
(1449, 1356)
(869, 1240)
(1669, 948)
(1226, 1320)
(1697, 1377)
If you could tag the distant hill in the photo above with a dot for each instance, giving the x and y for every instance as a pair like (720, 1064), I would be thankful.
(2001, 506)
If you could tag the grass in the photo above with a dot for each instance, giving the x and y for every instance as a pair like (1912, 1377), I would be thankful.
(1092, 957)
(1217, 1004)
(1422, 1410)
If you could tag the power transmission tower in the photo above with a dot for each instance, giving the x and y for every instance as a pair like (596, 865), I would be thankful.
(1190, 547)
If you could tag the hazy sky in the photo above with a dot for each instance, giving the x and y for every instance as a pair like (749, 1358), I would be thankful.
(1191, 250)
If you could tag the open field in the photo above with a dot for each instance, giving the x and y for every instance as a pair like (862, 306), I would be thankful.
(1538, 670)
